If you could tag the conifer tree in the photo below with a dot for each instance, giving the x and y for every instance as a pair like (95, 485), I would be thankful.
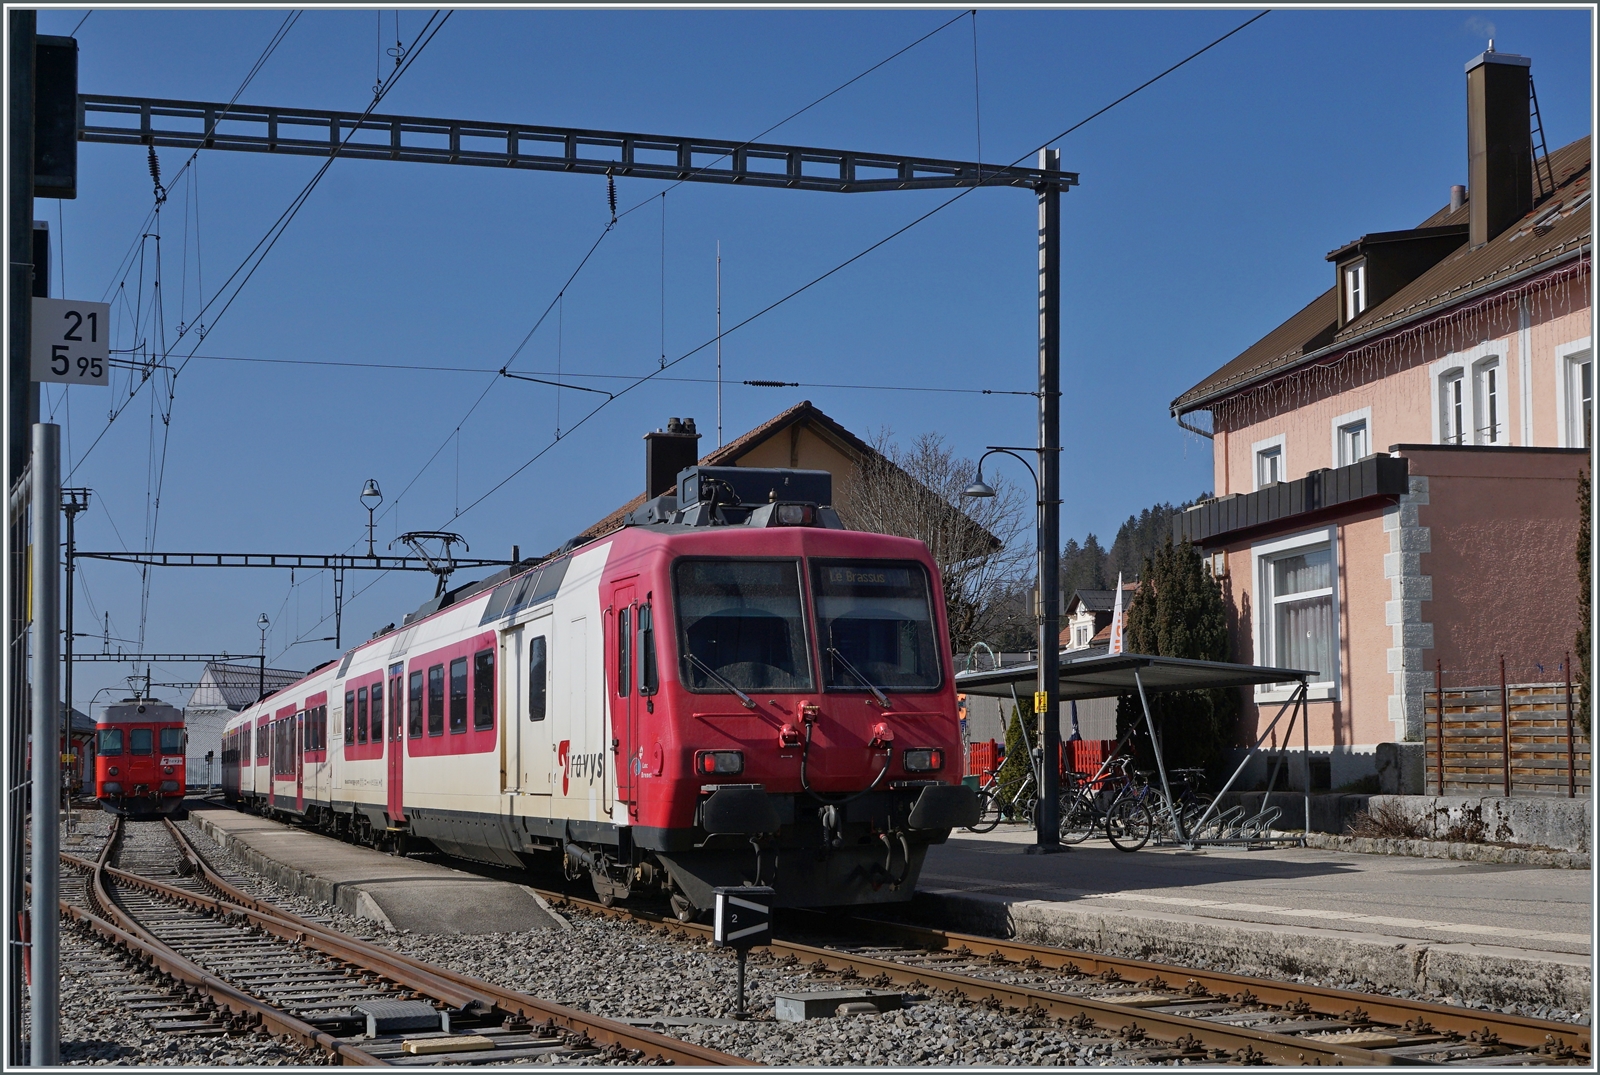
(1178, 611)
(1014, 770)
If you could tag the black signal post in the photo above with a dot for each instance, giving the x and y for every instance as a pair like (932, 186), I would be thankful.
(743, 920)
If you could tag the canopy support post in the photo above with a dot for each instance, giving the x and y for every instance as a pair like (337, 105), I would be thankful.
(1305, 752)
(1161, 765)
(1284, 708)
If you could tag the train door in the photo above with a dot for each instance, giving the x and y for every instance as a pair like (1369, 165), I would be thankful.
(535, 773)
(511, 707)
(620, 745)
(396, 745)
(298, 728)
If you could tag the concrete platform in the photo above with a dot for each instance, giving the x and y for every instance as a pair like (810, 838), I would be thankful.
(397, 893)
(1487, 933)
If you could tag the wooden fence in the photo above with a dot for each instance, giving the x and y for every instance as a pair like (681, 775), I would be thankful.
(1505, 739)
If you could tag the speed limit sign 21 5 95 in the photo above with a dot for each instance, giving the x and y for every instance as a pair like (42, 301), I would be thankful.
(71, 341)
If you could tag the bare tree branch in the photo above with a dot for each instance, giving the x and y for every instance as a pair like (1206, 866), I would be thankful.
(915, 491)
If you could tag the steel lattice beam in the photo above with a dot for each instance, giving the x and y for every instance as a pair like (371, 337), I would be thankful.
(304, 561)
(313, 132)
(163, 658)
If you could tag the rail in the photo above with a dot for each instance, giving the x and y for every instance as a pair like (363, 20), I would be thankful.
(460, 992)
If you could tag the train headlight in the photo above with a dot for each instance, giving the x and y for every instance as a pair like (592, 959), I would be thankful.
(923, 760)
(719, 762)
(111, 770)
(167, 769)
(169, 785)
(795, 515)
(111, 787)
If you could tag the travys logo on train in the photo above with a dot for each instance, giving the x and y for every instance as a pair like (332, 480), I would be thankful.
(579, 766)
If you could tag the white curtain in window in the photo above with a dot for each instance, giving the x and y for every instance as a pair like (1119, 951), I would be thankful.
(1302, 596)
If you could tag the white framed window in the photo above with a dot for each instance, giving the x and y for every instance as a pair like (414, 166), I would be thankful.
(1080, 638)
(1352, 437)
(1488, 407)
(1452, 408)
(1471, 396)
(1355, 290)
(1267, 461)
(1298, 610)
(1575, 394)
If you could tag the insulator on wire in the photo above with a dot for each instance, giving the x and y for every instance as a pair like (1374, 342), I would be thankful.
(155, 174)
(611, 194)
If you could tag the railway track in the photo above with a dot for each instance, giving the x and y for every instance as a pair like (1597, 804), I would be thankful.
(237, 962)
(1166, 1012)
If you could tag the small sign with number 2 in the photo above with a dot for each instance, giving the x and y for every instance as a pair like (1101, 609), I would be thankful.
(71, 343)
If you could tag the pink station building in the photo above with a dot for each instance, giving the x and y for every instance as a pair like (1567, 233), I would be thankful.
(1397, 463)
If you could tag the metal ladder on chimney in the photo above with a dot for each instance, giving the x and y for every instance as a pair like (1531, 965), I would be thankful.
(1542, 173)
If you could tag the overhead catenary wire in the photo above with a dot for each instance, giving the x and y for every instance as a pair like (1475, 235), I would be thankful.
(253, 260)
(616, 217)
(853, 259)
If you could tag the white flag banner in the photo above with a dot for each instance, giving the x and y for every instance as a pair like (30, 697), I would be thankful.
(1116, 619)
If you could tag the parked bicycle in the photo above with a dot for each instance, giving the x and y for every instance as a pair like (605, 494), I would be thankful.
(1086, 800)
(995, 805)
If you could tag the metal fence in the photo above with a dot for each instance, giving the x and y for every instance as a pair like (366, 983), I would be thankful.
(1505, 739)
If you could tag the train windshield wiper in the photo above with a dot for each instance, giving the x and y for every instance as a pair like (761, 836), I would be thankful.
(749, 703)
(882, 698)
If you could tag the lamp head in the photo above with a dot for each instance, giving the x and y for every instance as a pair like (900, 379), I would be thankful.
(979, 488)
(262, 621)
(371, 495)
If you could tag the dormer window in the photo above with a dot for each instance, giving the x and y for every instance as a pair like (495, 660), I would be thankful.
(1355, 290)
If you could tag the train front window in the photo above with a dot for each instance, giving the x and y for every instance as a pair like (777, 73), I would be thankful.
(740, 625)
(875, 625)
(110, 742)
(172, 740)
(139, 740)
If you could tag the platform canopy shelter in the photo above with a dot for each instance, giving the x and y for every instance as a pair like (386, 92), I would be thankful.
(1110, 675)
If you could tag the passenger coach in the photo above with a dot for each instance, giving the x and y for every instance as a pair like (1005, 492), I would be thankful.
(732, 688)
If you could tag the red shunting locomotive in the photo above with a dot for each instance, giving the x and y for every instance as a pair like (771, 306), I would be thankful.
(139, 758)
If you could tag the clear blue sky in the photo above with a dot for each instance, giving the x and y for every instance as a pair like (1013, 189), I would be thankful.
(1207, 203)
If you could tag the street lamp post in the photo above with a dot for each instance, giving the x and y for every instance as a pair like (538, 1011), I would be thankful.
(1047, 815)
(371, 497)
(261, 684)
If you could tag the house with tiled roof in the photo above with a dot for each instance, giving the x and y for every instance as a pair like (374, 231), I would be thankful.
(1396, 463)
(801, 437)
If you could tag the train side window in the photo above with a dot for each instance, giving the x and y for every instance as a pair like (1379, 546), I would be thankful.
(110, 742)
(171, 740)
(436, 700)
(624, 650)
(349, 716)
(458, 695)
(361, 714)
(483, 690)
(414, 705)
(647, 650)
(377, 712)
(536, 678)
(140, 740)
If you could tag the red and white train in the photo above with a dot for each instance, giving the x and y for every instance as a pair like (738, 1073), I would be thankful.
(139, 766)
(732, 688)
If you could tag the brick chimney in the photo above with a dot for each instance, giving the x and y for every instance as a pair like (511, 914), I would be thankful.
(666, 452)
(1499, 144)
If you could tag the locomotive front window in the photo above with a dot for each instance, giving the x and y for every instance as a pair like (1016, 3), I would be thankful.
(110, 742)
(172, 740)
(140, 740)
(739, 624)
(875, 617)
